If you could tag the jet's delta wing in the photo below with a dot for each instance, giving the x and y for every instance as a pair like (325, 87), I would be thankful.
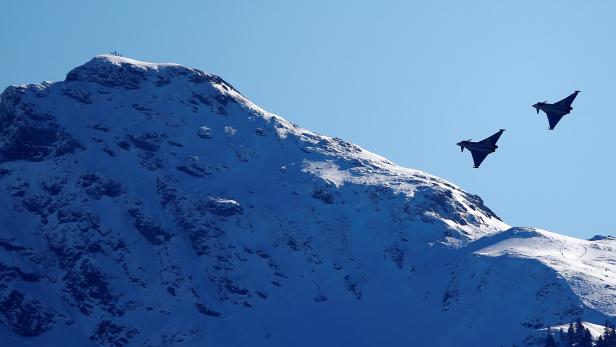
(566, 102)
(554, 118)
(478, 157)
(492, 139)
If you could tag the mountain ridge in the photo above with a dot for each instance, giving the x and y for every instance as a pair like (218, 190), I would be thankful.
(153, 204)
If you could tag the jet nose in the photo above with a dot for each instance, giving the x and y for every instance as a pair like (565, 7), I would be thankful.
(536, 106)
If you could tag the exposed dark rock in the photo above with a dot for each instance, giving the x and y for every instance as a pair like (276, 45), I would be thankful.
(10, 246)
(26, 317)
(109, 75)
(125, 145)
(149, 142)
(602, 238)
(79, 95)
(323, 195)
(193, 169)
(175, 143)
(149, 228)
(97, 185)
(206, 310)
(233, 288)
(222, 207)
(352, 286)
(110, 334)
(477, 202)
(202, 99)
(532, 323)
(204, 132)
(88, 287)
(9, 273)
(4, 172)
(36, 203)
(396, 255)
(320, 298)
(223, 99)
(162, 81)
(109, 151)
(199, 76)
(141, 108)
(29, 135)
(451, 296)
(54, 185)
(100, 127)
(433, 205)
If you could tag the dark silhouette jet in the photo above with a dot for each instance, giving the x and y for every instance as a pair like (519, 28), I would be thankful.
(481, 149)
(558, 110)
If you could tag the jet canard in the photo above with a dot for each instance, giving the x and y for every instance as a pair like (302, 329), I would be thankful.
(558, 110)
(481, 149)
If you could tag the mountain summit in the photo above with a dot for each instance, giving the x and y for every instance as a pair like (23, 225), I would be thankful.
(154, 205)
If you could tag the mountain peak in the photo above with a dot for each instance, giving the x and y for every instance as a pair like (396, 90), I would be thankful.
(148, 102)
(116, 71)
(121, 60)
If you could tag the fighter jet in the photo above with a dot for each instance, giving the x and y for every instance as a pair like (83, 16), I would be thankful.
(557, 110)
(481, 149)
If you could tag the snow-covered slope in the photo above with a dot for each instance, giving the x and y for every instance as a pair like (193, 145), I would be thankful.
(153, 205)
(589, 267)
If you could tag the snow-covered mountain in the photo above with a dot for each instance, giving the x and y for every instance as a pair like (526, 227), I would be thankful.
(153, 205)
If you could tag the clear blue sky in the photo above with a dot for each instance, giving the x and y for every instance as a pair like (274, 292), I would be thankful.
(404, 79)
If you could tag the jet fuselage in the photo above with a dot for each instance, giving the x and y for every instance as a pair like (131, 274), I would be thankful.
(475, 146)
(552, 108)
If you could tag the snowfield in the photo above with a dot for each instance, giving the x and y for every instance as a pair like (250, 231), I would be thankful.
(153, 205)
(589, 267)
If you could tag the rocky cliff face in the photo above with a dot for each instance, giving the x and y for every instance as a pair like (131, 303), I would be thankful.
(152, 205)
